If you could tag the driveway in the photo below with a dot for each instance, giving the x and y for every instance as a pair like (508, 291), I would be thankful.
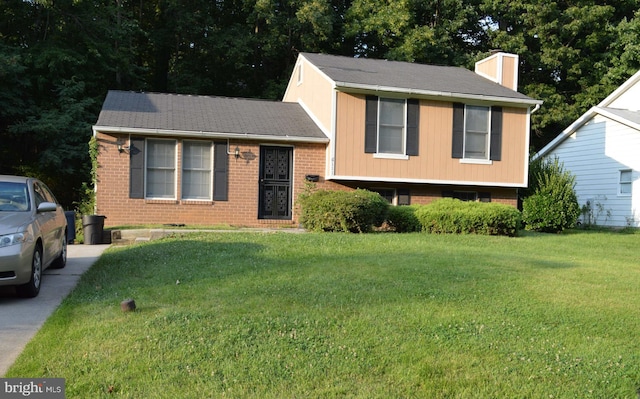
(21, 318)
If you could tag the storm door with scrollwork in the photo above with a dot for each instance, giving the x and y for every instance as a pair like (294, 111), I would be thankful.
(275, 182)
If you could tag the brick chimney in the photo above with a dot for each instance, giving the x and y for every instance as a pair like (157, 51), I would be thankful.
(500, 67)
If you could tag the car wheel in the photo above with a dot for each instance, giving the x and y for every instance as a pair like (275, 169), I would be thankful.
(32, 288)
(61, 260)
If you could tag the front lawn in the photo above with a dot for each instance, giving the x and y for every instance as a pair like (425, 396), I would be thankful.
(280, 315)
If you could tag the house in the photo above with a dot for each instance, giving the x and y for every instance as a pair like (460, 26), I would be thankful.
(411, 132)
(601, 150)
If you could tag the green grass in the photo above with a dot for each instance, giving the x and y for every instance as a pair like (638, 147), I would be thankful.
(280, 315)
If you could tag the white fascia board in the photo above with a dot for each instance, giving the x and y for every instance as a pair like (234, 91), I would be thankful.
(620, 90)
(512, 102)
(222, 135)
(566, 133)
(617, 118)
(313, 118)
(428, 181)
(578, 123)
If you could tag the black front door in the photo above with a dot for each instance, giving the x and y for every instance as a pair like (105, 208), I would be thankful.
(275, 182)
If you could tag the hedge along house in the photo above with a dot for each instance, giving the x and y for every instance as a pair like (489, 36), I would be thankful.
(411, 132)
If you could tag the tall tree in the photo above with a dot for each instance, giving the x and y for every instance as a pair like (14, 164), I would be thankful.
(565, 50)
(447, 32)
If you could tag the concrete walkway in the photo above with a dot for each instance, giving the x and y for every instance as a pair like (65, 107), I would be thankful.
(21, 318)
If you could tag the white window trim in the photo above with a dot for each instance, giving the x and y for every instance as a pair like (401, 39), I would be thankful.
(476, 161)
(182, 169)
(387, 155)
(175, 169)
(484, 161)
(382, 155)
(621, 183)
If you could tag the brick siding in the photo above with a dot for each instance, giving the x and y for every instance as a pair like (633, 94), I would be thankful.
(241, 208)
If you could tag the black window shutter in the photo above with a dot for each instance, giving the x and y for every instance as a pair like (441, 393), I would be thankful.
(413, 120)
(495, 152)
(220, 171)
(371, 125)
(136, 167)
(458, 131)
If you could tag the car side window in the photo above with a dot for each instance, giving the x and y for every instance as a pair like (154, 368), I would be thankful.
(48, 194)
(39, 194)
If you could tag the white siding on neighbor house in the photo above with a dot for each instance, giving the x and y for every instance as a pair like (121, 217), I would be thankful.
(595, 154)
(628, 99)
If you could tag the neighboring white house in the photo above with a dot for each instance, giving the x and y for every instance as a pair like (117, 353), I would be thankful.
(602, 149)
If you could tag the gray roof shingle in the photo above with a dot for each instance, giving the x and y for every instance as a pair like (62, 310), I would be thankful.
(632, 116)
(409, 77)
(207, 115)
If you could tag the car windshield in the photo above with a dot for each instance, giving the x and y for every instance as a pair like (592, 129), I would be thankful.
(14, 197)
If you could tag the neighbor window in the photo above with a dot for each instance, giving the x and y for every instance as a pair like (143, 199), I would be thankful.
(625, 182)
(161, 169)
(196, 170)
(391, 126)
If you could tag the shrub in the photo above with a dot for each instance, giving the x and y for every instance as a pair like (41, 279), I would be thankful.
(450, 215)
(554, 206)
(402, 219)
(347, 211)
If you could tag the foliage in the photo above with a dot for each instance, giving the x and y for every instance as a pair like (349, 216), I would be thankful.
(402, 219)
(58, 59)
(350, 315)
(346, 211)
(554, 205)
(450, 215)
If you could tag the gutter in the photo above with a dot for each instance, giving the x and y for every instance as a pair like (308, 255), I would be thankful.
(438, 94)
(178, 133)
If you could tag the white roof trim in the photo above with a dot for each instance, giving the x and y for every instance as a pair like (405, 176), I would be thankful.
(203, 134)
(620, 90)
(578, 123)
(429, 181)
(437, 94)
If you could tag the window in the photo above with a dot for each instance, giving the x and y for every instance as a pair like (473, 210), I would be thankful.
(626, 177)
(468, 195)
(391, 126)
(299, 74)
(196, 170)
(394, 196)
(161, 169)
(477, 132)
(387, 193)
(403, 196)
(153, 171)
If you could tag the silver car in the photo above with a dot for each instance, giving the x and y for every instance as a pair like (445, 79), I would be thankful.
(33, 233)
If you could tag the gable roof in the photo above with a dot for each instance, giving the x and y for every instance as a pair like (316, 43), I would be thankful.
(207, 116)
(413, 78)
(627, 117)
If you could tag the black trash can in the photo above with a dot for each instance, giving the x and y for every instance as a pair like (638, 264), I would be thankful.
(93, 229)
(71, 226)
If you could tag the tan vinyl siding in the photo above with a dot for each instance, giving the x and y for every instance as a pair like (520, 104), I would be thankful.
(488, 67)
(434, 162)
(509, 72)
(314, 92)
